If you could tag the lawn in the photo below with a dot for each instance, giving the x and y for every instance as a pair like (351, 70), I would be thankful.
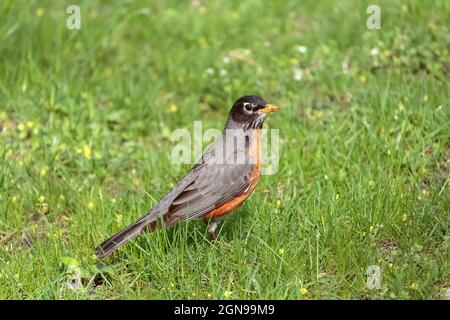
(86, 119)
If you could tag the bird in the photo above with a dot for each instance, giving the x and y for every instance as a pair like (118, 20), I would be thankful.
(220, 181)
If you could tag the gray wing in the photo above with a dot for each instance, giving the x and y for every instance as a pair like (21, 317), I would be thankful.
(214, 186)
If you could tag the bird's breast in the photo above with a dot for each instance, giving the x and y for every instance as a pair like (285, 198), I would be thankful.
(254, 151)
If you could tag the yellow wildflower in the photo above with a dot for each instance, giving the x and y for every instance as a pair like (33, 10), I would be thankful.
(44, 171)
(173, 108)
(227, 293)
(40, 12)
(414, 286)
(21, 127)
(87, 152)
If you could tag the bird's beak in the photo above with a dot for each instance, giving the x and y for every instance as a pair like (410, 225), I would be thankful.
(269, 108)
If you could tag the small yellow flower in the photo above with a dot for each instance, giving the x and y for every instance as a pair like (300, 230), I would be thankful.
(78, 151)
(34, 227)
(61, 197)
(41, 199)
(295, 62)
(209, 295)
(173, 108)
(91, 205)
(194, 294)
(30, 125)
(362, 78)
(118, 218)
(227, 293)
(113, 200)
(281, 251)
(388, 152)
(325, 177)
(337, 196)
(44, 171)
(21, 127)
(414, 286)
(87, 152)
(278, 203)
(14, 199)
(303, 291)
(404, 217)
(16, 276)
(40, 12)
(93, 257)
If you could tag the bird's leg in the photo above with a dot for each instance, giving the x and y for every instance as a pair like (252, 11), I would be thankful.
(212, 226)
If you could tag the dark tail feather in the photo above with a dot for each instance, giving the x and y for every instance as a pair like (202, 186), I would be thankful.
(120, 238)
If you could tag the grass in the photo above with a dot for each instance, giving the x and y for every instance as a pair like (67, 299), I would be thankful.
(86, 118)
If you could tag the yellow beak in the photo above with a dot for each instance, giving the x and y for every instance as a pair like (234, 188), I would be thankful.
(270, 108)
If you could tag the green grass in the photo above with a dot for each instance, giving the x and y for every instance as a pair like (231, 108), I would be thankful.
(364, 164)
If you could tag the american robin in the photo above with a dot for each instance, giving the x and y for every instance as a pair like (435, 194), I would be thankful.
(219, 182)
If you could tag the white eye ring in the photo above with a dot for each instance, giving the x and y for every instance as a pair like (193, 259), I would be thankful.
(247, 106)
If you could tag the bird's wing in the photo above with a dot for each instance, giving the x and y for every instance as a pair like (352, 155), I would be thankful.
(215, 185)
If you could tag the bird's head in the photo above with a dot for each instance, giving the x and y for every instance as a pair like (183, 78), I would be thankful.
(250, 112)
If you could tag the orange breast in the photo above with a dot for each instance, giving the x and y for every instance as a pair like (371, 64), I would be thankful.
(255, 152)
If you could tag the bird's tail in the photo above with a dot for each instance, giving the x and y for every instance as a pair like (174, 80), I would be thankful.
(121, 237)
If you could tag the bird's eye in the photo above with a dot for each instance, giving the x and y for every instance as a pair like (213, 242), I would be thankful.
(248, 106)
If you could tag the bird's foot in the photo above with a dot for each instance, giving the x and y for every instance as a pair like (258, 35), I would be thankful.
(212, 226)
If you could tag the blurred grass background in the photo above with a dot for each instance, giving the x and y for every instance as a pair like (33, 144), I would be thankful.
(86, 118)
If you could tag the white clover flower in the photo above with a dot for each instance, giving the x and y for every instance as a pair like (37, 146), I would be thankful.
(298, 74)
(223, 72)
(374, 52)
(210, 71)
(226, 59)
(302, 49)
